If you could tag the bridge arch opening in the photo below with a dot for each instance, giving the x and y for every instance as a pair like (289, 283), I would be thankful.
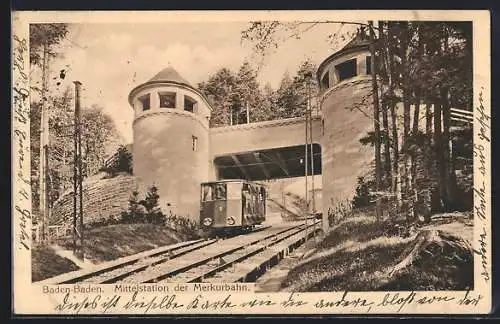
(269, 164)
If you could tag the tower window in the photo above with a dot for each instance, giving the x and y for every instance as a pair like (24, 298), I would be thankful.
(368, 65)
(347, 69)
(194, 143)
(145, 102)
(167, 99)
(325, 81)
(189, 104)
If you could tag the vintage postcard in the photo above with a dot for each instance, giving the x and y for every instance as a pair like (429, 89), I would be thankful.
(251, 162)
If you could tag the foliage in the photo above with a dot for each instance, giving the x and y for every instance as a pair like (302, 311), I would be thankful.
(182, 225)
(287, 100)
(98, 134)
(121, 161)
(417, 66)
(146, 210)
(153, 213)
(248, 93)
(231, 92)
(369, 138)
(134, 214)
(220, 89)
(363, 196)
(339, 211)
(40, 34)
(360, 253)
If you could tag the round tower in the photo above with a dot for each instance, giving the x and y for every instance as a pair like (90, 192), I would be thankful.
(345, 87)
(171, 141)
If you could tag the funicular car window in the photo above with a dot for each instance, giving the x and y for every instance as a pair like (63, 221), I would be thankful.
(214, 191)
(246, 197)
(206, 192)
(220, 191)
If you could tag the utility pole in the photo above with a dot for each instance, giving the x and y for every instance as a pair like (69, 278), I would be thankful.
(77, 177)
(80, 170)
(309, 109)
(306, 171)
(283, 201)
(248, 112)
(44, 148)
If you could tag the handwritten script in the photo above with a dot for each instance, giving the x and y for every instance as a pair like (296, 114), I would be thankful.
(21, 141)
(480, 182)
(295, 302)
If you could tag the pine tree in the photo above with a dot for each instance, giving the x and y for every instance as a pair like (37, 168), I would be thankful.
(267, 110)
(305, 85)
(135, 213)
(153, 213)
(122, 161)
(363, 197)
(287, 100)
(248, 94)
(220, 87)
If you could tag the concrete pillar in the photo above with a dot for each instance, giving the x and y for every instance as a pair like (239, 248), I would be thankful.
(179, 100)
(155, 100)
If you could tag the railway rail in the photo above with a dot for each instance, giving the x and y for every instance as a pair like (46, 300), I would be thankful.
(240, 258)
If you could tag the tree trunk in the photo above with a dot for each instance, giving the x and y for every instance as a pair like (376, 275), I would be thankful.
(450, 183)
(406, 117)
(385, 107)
(387, 152)
(415, 163)
(428, 187)
(376, 120)
(416, 113)
(438, 144)
(392, 107)
(428, 119)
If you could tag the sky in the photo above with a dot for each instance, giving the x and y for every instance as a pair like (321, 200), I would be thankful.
(110, 59)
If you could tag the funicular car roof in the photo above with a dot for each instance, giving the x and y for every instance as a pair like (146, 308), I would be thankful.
(233, 181)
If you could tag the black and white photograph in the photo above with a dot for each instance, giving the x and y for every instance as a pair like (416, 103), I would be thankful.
(206, 162)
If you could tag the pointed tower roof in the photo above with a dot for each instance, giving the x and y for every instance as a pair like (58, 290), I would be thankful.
(361, 39)
(169, 74)
(360, 42)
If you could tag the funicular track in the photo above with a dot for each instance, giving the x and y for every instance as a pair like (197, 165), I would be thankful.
(239, 258)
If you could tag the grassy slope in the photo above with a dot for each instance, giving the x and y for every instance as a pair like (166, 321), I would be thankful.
(359, 253)
(114, 241)
(102, 244)
(46, 263)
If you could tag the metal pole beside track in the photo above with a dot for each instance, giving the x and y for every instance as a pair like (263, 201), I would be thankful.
(306, 172)
(313, 196)
(78, 174)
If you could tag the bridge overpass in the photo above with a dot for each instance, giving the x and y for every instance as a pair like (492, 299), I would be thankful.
(264, 150)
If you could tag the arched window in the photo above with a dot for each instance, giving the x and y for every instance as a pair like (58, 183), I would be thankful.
(347, 69)
(145, 102)
(189, 104)
(325, 81)
(167, 99)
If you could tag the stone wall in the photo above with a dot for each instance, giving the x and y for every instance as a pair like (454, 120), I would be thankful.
(103, 198)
